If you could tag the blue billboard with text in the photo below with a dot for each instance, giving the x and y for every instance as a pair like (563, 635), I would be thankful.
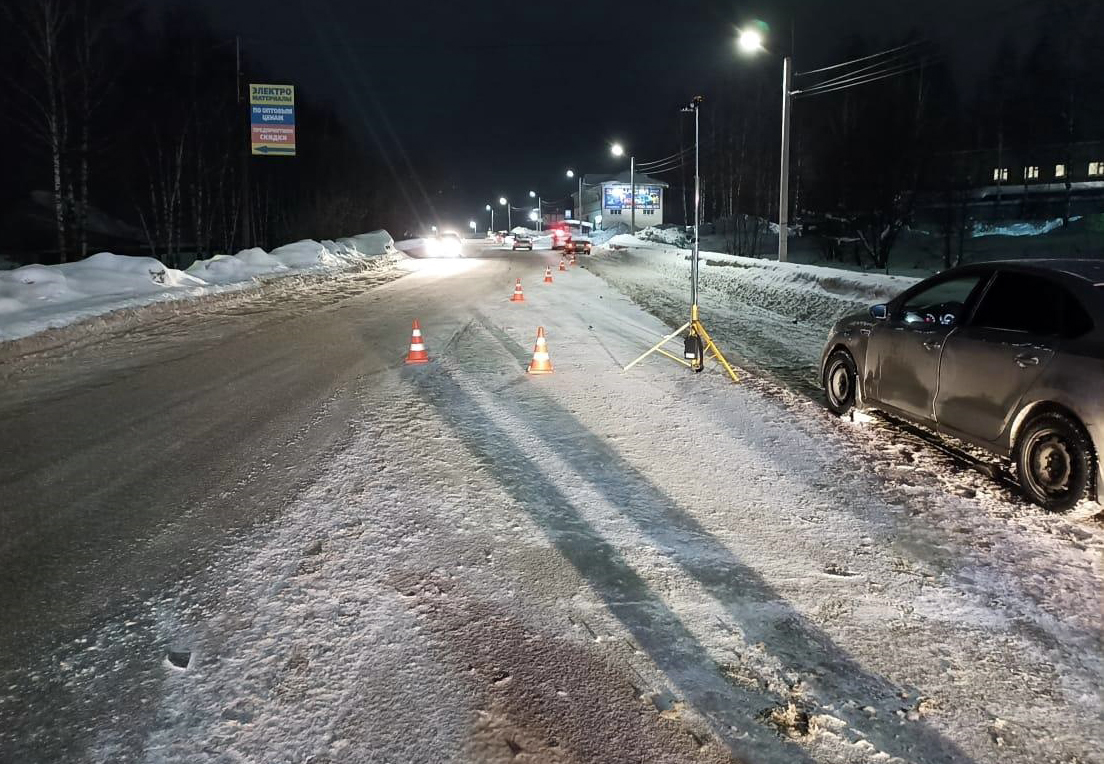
(617, 197)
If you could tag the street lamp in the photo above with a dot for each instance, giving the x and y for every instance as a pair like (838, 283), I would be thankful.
(540, 207)
(490, 209)
(471, 225)
(750, 42)
(618, 150)
(509, 222)
(579, 210)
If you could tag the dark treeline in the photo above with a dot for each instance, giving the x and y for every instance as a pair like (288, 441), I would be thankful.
(862, 157)
(133, 132)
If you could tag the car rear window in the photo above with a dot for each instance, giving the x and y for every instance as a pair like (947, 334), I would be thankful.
(1022, 302)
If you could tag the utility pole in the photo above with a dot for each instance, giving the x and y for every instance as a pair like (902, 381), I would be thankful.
(247, 218)
(632, 195)
(784, 180)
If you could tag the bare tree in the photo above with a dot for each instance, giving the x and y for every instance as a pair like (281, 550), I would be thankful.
(43, 110)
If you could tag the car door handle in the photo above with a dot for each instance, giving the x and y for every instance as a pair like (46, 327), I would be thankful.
(1023, 361)
(932, 344)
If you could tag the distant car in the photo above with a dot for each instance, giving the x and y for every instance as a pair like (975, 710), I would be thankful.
(523, 241)
(577, 246)
(1008, 356)
(560, 237)
(445, 244)
(501, 236)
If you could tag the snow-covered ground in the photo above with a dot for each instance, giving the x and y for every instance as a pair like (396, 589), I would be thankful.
(35, 298)
(598, 565)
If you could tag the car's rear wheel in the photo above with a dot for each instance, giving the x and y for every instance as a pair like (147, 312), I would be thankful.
(841, 379)
(1054, 461)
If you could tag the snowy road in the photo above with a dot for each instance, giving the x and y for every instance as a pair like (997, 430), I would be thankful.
(254, 535)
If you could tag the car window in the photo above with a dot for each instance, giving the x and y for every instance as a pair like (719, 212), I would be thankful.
(943, 303)
(1021, 302)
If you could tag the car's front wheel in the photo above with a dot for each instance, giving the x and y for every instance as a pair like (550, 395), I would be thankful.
(841, 379)
(1054, 461)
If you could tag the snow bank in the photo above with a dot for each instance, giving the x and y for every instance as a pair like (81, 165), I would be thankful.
(371, 244)
(39, 297)
(791, 288)
(247, 264)
(673, 235)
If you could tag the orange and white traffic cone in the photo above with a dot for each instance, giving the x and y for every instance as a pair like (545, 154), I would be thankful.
(541, 363)
(548, 275)
(563, 264)
(518, 295)
(573, 260)
(418, 353)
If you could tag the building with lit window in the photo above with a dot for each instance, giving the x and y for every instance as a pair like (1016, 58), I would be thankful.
(1020, 182)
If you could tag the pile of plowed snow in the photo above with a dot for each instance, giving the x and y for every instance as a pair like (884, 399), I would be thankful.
(804, 292)
(38, 297)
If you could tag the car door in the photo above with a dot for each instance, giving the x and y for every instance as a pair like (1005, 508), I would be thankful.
(990, 363)
(903, 351)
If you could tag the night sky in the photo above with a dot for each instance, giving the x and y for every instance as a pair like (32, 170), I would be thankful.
(497, 97)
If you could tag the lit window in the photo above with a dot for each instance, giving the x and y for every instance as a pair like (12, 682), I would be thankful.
(1096, 169)
(1000, 173)
(1059, 171)
(1031, 173)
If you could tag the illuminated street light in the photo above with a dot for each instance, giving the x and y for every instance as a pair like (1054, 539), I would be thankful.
(504, 203)
(471, 225)
(490, 209)
(579, 206)
(618, 150)
(750, 40)
(540, 208)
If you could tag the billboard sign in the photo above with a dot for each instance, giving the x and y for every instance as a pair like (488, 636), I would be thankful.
(272, 120)
(617, 197)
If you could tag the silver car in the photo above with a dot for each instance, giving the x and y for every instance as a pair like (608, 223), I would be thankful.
(1008, 356)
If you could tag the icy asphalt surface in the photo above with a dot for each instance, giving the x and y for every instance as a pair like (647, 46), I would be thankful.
(252, 534)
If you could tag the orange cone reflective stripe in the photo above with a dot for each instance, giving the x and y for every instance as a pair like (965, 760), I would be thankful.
(418, 352)
(518, 295)
(542, 362)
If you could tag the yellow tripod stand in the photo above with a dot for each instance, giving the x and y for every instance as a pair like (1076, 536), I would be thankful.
(697, 348)
(698, 344)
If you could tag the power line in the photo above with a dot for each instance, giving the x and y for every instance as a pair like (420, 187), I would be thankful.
(903, 69)
(860, 60)
(871, 68)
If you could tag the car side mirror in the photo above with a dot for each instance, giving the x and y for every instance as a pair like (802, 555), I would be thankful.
(880, 312)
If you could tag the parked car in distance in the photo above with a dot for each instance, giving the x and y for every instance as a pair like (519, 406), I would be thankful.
(523, 241)
(1007, 355)
(577, 245)
(500, 237)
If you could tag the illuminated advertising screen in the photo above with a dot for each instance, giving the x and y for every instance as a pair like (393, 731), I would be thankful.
(617, 197)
